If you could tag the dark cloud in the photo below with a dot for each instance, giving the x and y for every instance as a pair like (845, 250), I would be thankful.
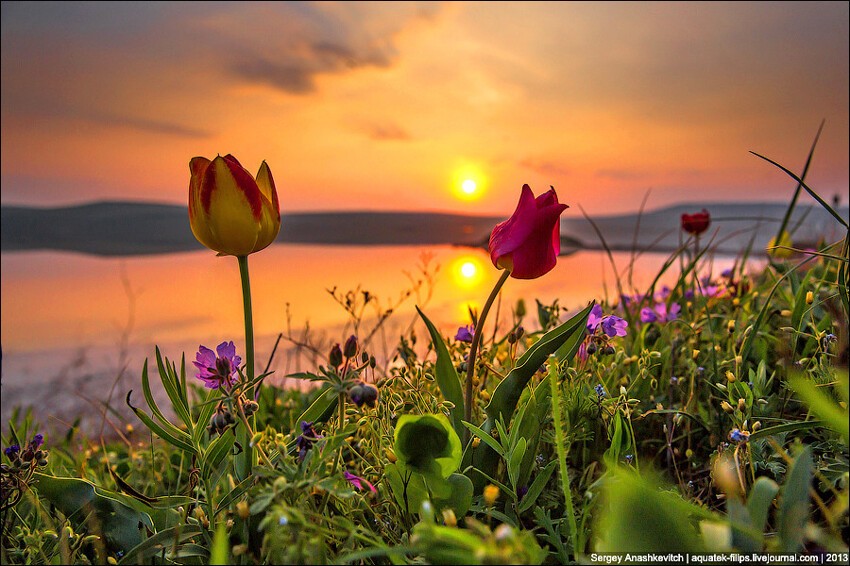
(289, 45)
(294, 70)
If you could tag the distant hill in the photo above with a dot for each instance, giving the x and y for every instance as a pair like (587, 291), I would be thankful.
(133, 228)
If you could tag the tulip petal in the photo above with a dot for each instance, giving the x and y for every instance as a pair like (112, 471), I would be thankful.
(507, 236)
(232, 202)
(197, 216)
(270, 221)
(528, 243)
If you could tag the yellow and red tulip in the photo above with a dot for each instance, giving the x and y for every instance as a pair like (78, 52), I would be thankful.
(230, 211)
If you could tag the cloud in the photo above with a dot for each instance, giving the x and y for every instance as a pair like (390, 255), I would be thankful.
(289, 45)
(545, 167)
(383, 131)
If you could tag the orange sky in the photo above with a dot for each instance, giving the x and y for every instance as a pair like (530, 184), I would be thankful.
(391, 105)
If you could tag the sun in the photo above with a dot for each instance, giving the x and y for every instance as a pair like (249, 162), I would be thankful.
(468, 269)
(468, 182)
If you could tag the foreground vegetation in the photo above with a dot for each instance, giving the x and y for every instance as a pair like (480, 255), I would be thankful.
(710, 416)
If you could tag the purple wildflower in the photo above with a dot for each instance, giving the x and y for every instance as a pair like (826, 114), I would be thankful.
(363, 393)
(306, 439)
(12, 451)
(217, 371)
(465, 334)
(36, 442)
(358, 482)
(647, 315)
(600, 390)
(613, 325)
(660, 313)
(595, 318)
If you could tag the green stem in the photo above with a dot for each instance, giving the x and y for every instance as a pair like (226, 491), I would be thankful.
(249, 322)
(473, 350)
(246, 460)
(554, 384)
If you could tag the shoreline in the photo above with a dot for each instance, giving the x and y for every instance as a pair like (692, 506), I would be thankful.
(114, 229)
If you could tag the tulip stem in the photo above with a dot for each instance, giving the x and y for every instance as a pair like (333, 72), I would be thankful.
(245, 460)
(473, 349)
(249, 323)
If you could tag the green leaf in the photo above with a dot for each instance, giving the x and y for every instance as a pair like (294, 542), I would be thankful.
(216, 452)
(122, 525)
(821, 405)
(641, 518)
(761, 497)
(321, 409)
(787, 427)
(537, 486)
(174, 438)
(794, 508)
(447, 378)
(206, 411)
(799, 309)
(486, 437)
(171, 384)
(507, 393)
(458, 495)
(515, 460)
(163, 540)
(428, 444)
(220, 546)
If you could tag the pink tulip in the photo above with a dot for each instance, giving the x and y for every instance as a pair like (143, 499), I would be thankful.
(528, 243)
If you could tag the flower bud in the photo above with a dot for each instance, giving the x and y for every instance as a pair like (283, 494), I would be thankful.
(350, 349)
(491, 494)
(730, 326)
(730, 377)
(243, 510)
(742, 405)
(335, 357)
(810, 298)
(250, 407)
(727, 407)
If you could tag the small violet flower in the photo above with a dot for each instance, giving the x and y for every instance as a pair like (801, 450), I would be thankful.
(739, 436)
(660, 313)
(358, 482)
(12, 451)
(217, 371)
(595, 318)
(306, 439)
(36, 442)
(600, 390)
(613, 325)
(465, 334)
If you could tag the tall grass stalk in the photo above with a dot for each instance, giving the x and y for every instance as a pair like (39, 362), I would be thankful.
(554, 384)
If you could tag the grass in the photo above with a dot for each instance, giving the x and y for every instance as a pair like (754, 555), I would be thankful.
(720, 429)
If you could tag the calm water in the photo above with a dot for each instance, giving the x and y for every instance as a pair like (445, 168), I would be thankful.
(60, 309)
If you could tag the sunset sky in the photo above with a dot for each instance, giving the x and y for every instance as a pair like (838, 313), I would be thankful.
(392, 106)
